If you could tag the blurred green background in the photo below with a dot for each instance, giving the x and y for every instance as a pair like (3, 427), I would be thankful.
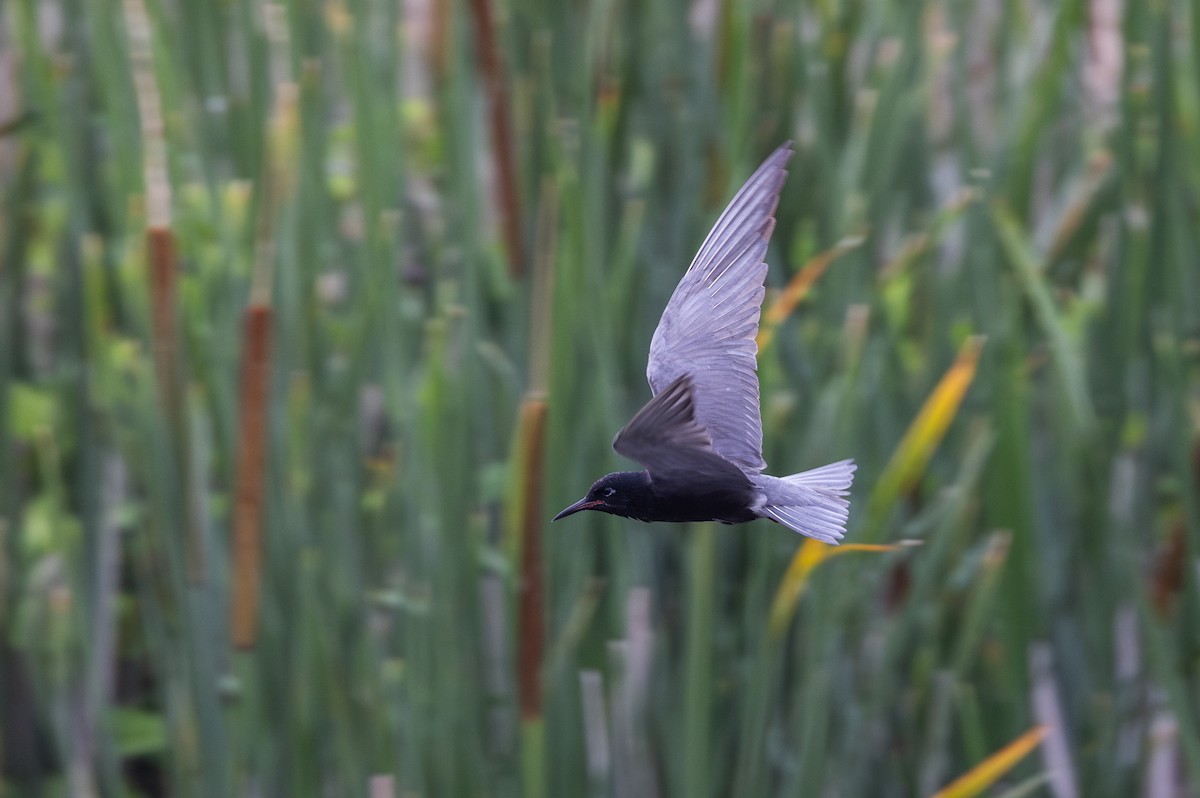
(365, 288)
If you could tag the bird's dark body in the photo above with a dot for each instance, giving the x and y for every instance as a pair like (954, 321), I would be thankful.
(644, 499)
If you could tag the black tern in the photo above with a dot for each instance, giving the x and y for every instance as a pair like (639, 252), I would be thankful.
(700, 436)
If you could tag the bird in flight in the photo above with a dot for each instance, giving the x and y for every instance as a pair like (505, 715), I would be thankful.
(700, 437)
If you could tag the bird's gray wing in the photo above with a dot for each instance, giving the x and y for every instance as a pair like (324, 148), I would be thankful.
(666, 438)
(708, 328)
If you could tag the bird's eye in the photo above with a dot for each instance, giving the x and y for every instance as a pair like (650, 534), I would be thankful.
(608, 492)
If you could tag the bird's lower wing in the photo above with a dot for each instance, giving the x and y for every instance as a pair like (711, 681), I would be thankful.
(666, 438)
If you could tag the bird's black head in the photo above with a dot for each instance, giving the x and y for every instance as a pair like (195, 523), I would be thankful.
(621, 493)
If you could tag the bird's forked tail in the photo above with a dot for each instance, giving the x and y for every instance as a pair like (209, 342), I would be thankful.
(813, 503)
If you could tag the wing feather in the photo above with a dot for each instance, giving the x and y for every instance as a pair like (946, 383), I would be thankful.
(708, 327)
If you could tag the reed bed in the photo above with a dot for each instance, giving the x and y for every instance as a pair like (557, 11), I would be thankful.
(311, 316)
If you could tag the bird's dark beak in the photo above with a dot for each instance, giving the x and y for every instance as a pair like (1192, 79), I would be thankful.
(582, 504)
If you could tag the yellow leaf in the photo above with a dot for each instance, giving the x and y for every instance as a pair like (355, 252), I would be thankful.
(983, 775)
(924, 434)
(810, 554)
(799, 286)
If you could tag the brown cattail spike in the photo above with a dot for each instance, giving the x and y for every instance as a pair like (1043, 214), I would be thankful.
(251, 472)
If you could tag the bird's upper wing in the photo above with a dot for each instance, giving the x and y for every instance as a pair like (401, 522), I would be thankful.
(708, 328)
(666, 438)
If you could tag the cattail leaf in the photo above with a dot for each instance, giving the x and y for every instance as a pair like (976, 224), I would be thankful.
(987, 772)
(926, 431)
(795, 580)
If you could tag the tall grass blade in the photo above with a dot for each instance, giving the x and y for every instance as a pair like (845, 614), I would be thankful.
(698, 670)
(1067, 360)
(1047, 708)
